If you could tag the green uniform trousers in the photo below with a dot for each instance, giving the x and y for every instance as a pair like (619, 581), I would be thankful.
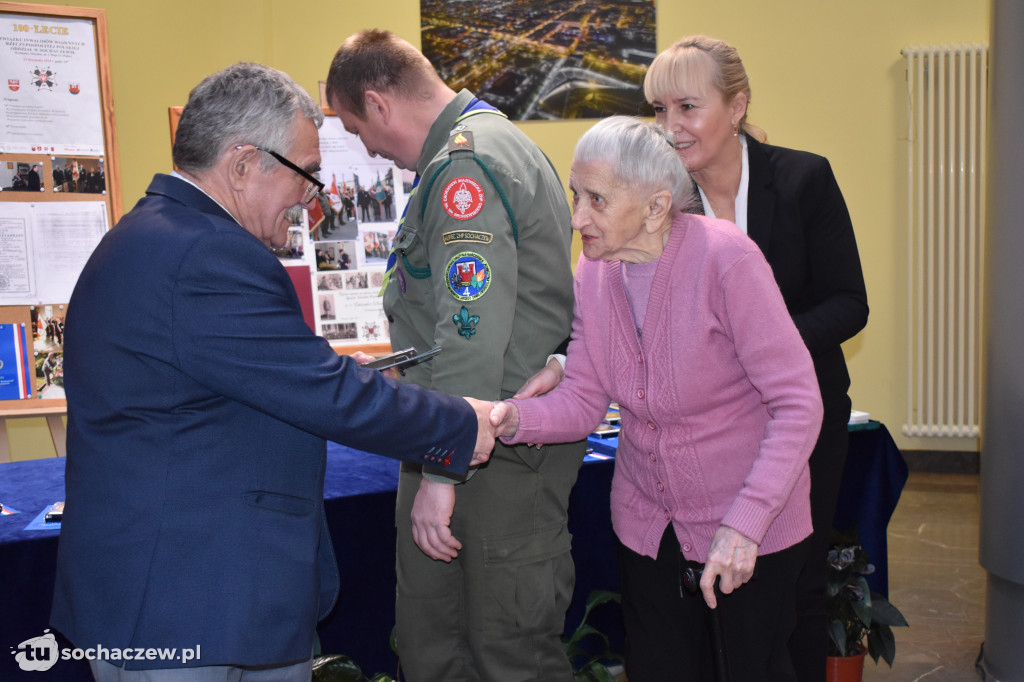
(497, 612)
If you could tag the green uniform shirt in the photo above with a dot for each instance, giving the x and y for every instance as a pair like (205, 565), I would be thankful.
(483, 267)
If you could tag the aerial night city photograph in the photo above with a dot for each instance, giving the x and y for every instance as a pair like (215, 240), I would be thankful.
(544, 59)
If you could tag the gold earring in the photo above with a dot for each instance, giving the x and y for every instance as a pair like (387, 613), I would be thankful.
(735, 129)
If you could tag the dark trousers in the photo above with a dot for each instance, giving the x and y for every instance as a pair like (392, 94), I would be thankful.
(809, 646)
(668, 633)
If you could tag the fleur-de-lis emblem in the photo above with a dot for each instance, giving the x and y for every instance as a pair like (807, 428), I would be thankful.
(463, 198)
(465, 322)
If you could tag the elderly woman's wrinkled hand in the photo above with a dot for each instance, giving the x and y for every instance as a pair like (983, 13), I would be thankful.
(731, 559)
(505, 418)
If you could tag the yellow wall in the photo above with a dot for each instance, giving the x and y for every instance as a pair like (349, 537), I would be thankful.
(827, 76)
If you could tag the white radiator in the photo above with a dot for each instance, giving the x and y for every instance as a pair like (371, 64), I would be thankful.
(947, 95)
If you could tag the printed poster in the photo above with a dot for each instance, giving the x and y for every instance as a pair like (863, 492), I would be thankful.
(51, 90)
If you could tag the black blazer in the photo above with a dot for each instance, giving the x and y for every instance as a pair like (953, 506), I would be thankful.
(797, 216)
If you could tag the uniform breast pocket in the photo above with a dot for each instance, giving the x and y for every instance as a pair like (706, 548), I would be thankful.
(413, 255)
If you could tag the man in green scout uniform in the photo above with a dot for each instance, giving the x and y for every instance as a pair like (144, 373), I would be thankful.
(481, 268)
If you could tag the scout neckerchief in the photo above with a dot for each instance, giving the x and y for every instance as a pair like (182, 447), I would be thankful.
(475, 106)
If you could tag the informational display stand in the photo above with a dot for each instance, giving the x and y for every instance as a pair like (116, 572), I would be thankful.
(59, 189)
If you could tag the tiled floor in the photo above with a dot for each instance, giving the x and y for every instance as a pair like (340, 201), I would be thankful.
(936, 582)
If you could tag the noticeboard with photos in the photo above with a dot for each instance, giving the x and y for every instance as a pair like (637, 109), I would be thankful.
(59, 187)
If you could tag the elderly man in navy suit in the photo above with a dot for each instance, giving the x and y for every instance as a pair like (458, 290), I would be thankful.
(199, 403)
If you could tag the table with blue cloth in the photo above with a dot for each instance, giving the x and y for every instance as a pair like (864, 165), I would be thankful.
(359, 495)
(872, 482)
(359, 500)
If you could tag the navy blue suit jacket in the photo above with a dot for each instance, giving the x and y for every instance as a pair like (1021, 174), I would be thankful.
(198, 407)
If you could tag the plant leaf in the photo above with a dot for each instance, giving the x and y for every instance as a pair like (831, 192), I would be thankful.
(881, 642)
(593, 672)
(598, 597)
(838, 634)
(336, 668)
(863, 607)
(884, 612)
(572, 645)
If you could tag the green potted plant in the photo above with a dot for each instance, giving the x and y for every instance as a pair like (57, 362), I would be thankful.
(856, 614)
(588, 665)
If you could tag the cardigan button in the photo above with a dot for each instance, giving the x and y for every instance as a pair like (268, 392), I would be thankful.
(687, 546)
(640, 393)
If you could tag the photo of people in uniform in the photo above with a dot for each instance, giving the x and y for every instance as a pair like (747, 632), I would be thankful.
(331, 281)
(377, 246)
(345, 331)
(336, 255)
(47, 328)
(356, 280)
(50, 375)
(83, 175)
(375, 197)
(333, 215)
(22, 176)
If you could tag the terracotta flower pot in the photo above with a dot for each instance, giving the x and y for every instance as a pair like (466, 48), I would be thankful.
(845, 668)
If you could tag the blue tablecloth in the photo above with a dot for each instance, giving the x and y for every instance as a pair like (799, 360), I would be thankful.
(872, 483)
(359, 493)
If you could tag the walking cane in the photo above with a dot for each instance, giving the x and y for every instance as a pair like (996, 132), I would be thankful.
(691, 581)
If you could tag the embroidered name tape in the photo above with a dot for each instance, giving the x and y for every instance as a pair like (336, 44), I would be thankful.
(467, 236)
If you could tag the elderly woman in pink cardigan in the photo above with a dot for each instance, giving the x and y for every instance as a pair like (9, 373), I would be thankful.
(679, 320)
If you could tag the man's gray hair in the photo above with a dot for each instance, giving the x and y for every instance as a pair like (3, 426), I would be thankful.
(244, 104)
(641, 154)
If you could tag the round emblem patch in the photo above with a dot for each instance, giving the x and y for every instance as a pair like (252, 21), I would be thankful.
(469, 276)
(463, 198)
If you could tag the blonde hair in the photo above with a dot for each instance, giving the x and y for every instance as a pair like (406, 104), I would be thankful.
(692, 64)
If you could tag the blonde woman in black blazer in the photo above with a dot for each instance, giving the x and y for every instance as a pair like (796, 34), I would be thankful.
(790, 204)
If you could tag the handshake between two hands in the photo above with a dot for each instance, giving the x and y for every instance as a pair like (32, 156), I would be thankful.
(502, 418)
(494, 420)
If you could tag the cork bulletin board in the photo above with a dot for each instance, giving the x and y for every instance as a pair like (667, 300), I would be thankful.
(59, 182)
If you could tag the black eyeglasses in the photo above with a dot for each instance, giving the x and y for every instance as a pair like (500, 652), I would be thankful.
(316, 188)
